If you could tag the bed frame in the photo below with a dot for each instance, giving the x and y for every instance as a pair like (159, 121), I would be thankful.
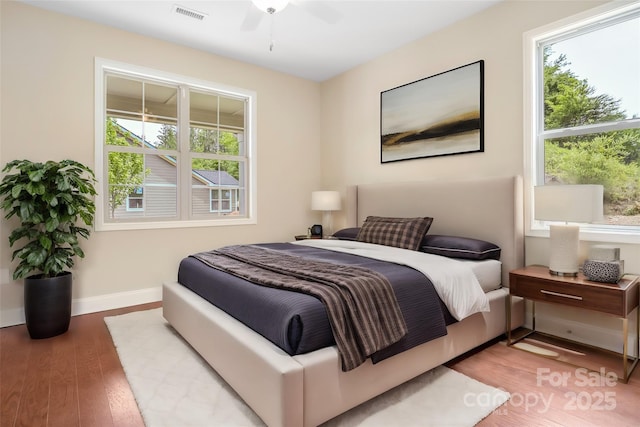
(309, 389)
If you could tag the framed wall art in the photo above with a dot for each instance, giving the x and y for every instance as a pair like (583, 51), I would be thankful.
(439, 115)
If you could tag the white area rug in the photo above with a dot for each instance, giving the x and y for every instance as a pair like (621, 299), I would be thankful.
(175, 387)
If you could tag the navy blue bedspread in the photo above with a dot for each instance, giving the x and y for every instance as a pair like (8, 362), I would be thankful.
(297, 322)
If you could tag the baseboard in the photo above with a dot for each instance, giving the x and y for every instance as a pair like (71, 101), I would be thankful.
(14, 316)
(93, 304)
(117, 300)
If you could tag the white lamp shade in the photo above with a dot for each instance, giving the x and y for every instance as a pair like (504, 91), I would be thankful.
(325, 201)
(570, 203)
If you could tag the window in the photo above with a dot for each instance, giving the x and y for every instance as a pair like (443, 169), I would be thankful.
(172, 151)
(582, 112)
(135, 201)
(223, 200)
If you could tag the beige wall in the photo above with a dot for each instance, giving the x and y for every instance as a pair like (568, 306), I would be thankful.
(48, 113)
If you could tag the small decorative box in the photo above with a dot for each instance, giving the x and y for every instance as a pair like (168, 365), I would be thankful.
(603, 271)
(604, 253)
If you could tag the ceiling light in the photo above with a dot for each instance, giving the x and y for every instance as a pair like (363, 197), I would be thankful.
(270, 6)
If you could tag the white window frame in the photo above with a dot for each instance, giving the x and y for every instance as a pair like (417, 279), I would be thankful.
(532, 83)
(101, 224)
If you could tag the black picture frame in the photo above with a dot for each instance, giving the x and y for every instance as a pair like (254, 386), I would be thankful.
(439, 115)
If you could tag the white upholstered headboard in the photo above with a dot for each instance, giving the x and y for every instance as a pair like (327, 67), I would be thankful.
(485, 208)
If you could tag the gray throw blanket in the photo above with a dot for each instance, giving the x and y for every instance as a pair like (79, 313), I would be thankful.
(361, 306)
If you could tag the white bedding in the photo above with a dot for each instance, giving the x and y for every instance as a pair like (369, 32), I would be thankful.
(488, 272)
(454, 281)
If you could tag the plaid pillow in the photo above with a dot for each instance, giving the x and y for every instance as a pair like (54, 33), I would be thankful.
(405, 233)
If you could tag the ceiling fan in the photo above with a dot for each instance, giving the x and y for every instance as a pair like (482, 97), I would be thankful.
(259, 8)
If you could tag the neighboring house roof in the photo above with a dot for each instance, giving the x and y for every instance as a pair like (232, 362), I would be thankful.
(217, 177)
(212, 177)
(122, 131)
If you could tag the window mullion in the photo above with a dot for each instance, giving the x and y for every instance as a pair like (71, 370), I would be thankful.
(184, 164)
(538, 119)
(595, 128)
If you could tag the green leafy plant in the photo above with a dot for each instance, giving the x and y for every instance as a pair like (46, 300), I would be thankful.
(48, 199)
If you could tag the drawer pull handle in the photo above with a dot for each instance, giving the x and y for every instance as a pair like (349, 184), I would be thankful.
(558, 294)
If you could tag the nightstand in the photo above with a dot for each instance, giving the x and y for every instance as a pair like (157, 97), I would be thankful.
(305, 237)
(536, 284)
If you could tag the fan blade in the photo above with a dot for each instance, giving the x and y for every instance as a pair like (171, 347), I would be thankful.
(252, 18)
(319, 9)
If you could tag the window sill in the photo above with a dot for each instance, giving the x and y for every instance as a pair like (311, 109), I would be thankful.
(117, 226)
(595, 235)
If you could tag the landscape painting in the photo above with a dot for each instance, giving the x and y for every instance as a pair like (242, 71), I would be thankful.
(436, 116)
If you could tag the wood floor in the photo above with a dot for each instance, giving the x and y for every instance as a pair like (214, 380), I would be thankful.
(76, 380)
(546, 392)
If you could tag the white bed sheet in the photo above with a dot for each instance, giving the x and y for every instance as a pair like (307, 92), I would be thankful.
(488, 272)
(454, 281)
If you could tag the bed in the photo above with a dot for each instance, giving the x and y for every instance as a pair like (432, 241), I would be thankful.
(311, 388)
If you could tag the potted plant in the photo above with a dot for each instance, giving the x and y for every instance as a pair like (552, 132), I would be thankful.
(48, 199)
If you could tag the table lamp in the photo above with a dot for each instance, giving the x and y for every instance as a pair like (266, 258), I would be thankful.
(326, 201)
(569, 203)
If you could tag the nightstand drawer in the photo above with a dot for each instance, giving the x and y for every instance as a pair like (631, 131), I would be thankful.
(577, 295)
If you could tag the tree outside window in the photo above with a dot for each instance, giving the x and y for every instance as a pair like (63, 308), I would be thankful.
(126, 170)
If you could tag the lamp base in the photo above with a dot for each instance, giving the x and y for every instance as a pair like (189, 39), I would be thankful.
(562, 273)
(327, 223)
(563, 259)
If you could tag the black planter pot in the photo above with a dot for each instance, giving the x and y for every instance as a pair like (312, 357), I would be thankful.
(47, 305)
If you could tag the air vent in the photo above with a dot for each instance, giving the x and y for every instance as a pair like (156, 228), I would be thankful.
(189, 12)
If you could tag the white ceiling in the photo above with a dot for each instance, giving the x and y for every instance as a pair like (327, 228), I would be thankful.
(305, 44)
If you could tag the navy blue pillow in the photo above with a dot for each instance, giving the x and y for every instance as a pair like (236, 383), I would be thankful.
(459, 247)
(347, 233)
